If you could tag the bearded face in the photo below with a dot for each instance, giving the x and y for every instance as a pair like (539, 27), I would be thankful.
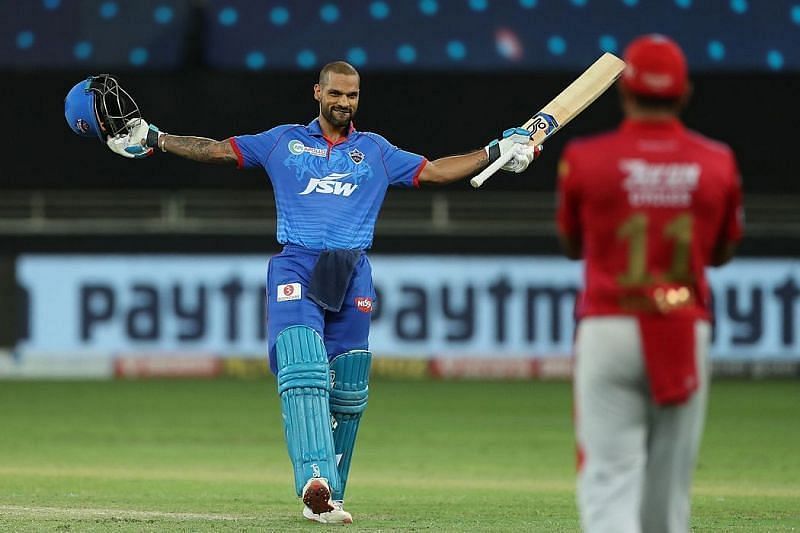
(338, 98)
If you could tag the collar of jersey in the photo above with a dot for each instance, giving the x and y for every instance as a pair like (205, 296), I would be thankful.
(669, 125)
(316, 130)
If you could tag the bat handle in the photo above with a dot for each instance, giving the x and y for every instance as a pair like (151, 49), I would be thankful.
(487, 172)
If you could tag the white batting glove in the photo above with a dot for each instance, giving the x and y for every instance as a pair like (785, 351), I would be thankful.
(517, 140)
(524, 154)
(136, 144)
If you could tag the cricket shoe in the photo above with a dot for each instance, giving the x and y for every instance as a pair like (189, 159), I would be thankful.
(337, 516)
(317, 495)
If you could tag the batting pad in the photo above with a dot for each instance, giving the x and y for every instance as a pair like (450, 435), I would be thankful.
(348, 401)
(304, 386)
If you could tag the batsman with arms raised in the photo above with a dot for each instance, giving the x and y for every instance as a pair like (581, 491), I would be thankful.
(329, 182)
(647, 207)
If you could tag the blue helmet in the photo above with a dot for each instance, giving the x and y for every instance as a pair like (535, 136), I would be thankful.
(99, 106)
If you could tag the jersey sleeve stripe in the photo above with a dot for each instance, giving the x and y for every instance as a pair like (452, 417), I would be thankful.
(239, 158)
(415, 180)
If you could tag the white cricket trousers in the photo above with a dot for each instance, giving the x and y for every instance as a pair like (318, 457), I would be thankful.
(638, 457)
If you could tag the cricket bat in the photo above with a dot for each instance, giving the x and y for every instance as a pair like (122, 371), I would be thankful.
(575, 98)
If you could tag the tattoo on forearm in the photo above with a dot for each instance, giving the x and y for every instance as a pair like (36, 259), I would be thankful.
(200, 149)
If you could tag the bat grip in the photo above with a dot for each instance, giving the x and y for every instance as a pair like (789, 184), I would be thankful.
(487, 172)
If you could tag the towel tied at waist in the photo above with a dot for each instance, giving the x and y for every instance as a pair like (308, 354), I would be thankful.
(331, 277)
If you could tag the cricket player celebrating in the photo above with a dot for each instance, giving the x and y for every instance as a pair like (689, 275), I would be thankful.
(647, 207)
(329, 182)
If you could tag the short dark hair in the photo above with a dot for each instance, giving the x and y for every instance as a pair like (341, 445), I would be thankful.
(655, 103)
(336, 67)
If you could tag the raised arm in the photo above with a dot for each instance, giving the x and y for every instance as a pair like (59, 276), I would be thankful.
(198, 148)
(456, 167)
(144, 138)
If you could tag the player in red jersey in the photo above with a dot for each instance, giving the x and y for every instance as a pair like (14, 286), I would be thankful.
(648, 207)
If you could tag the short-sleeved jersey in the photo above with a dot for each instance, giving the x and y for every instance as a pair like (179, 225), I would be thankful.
(327, 194)
(650, 202)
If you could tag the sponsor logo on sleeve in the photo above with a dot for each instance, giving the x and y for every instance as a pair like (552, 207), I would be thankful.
(289, 291)
(364, 304)
(563, 169)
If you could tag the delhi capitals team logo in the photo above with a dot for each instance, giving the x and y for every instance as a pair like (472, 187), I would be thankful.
(356, 155)
(82, 125)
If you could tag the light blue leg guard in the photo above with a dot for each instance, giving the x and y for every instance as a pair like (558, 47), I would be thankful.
(348, 401)
(304, 386)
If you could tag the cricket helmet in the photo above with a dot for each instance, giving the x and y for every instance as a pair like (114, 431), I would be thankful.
(99, 106)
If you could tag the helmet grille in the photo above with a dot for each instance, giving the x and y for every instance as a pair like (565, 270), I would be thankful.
(114, 107)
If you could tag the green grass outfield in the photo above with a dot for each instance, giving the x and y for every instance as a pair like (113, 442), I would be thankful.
(433, 456)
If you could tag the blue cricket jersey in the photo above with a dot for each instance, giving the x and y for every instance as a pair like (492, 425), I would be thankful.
(327, 194)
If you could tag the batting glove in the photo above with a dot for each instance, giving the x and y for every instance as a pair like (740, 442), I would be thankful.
(138, 142)
(523, 155)
(517, 141)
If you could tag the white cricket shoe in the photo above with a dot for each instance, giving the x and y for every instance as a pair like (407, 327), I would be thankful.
(317, 495)
(337, 516)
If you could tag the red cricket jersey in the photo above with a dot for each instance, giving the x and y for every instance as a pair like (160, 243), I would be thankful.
(649, 202)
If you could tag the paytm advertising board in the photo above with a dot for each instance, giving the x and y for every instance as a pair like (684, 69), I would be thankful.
(442, 306)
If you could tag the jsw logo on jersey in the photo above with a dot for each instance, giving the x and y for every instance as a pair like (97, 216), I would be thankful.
(330, 184)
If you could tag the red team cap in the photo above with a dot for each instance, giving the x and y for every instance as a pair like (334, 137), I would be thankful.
(655, 67)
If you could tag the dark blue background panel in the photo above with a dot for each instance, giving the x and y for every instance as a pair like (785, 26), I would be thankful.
(457, 35)
(718, 35)
(94, 34)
